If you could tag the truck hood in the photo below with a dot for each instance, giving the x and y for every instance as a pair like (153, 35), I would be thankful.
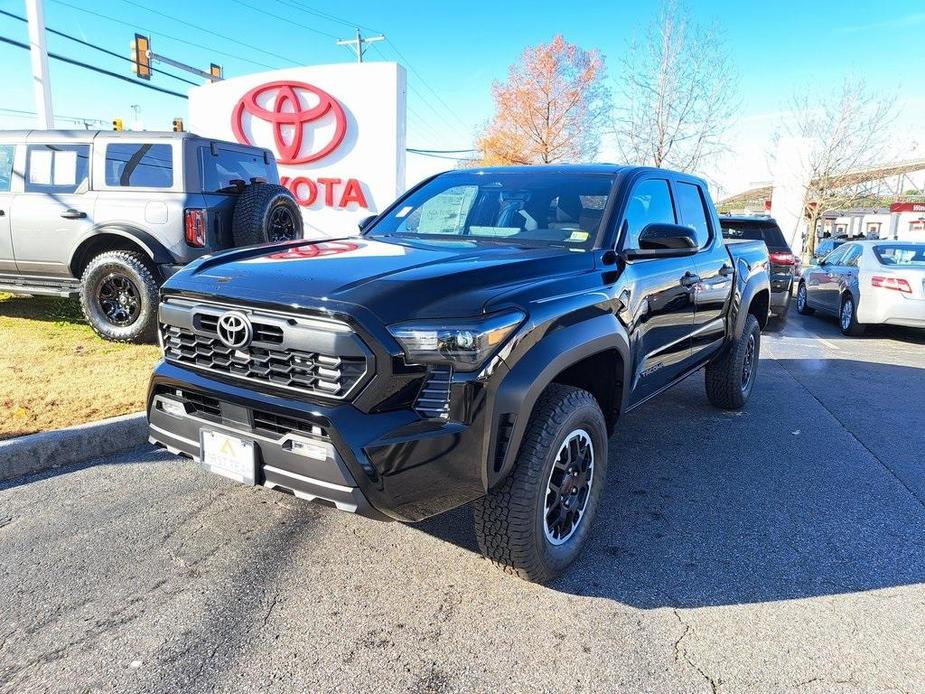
(395, 280)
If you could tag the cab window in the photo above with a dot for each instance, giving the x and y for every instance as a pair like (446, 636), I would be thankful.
(650, 203)
(6, 167)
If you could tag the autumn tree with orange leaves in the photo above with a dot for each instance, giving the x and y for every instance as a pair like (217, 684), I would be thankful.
(551, 108)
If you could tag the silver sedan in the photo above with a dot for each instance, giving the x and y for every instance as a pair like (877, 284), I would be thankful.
(867, 282)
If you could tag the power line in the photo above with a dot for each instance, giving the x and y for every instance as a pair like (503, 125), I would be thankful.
(102, 71)
(98, 48)
(424, 82)
(208, 31)
(30, 114)
(302, 7)
(161, 34)
(439, 151)
(287, 20)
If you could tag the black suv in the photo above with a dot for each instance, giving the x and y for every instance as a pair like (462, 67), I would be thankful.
(783, 262)
(477, 343)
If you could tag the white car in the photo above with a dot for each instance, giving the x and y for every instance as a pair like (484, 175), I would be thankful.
(867, 282)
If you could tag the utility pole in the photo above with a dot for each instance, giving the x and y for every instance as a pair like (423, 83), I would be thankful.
(35, 13)
(359, 43)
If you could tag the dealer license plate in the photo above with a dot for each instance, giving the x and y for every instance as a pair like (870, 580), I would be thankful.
(229, 456)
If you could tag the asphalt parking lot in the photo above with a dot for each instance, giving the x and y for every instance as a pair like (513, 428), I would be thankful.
(780, 548)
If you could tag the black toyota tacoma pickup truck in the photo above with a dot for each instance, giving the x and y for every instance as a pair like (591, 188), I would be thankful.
(476, 342)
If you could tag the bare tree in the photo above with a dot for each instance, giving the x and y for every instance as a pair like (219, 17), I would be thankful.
(678, 93)
(846, 131)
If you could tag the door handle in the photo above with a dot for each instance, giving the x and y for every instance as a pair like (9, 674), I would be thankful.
(689, 279)
(73, 214)
(2, 213)
(726, 270)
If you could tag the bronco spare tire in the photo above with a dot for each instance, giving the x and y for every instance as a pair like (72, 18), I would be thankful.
(265, 213)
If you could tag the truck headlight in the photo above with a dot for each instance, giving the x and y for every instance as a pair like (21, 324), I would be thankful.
(465, 344)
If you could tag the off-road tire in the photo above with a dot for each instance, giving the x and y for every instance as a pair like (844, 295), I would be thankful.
(251, 223)
(803, 306)
(510, 519)
(725, 386)
(852, 328)
(136, 268)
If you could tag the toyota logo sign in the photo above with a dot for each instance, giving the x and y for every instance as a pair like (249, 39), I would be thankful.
(289, 117)
(234, 329)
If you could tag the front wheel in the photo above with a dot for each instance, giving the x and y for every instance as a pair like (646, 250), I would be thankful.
(848, 318)
(535, 523)
(730, 377)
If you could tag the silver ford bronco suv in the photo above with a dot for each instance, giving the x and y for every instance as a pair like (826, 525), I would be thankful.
(108, 216)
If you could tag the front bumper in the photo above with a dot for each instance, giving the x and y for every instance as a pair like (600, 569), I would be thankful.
(386, 465)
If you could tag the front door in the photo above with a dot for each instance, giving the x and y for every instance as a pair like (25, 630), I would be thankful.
(54, 210)
(659, 309)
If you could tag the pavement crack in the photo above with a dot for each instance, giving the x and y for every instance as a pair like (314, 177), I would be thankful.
(266, 617)
(680, 654)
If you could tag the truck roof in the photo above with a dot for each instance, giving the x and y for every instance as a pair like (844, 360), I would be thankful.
(602, 168)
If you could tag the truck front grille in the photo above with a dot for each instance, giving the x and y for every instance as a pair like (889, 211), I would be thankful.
(312, 356)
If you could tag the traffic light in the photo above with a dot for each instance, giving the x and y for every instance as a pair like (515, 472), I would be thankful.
(178, 125)
(215, 71)
(141, 60)
(117, 124)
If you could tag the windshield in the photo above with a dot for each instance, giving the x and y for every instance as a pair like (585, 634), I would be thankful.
(901, 254)
(227, 164)
(530, 208)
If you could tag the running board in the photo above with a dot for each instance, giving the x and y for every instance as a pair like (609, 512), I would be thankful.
(65, 288)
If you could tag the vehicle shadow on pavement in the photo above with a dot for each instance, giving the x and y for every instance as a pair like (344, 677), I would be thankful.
(777, 502)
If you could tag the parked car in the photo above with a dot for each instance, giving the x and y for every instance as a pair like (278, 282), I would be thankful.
(868, 282)
(783, 262)
(477, 342)
(107, 216)
(826, 246)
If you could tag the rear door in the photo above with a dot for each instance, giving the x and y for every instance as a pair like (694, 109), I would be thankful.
(658, 295)
(714, 270)
(7, 259)
(821, 281)
(54, 209)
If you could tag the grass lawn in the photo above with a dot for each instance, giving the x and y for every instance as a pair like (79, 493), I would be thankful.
(55, 371)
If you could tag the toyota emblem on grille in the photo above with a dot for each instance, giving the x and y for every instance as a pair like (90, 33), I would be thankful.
(234, 329)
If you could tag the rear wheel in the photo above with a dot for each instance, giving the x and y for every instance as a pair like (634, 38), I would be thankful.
(535, 523)
(118, 295)
(730, 377)
(802, 305)
(848, 318)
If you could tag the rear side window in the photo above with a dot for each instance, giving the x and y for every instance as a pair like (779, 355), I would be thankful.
(139, 165)
(226, 165)
(772, 236)
(650, 203)
(852, 256)
(56, 168)
(6, 167)
(690, 205)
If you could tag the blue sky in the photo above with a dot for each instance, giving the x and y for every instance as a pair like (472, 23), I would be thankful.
(457, 49)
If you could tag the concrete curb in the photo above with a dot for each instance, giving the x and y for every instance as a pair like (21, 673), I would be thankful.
(50, 449)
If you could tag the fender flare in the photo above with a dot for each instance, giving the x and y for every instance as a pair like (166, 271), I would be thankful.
(753, 285)
(536, 369)
(150, 245)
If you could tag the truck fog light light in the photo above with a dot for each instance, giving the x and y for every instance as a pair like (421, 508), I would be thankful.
(177, 409)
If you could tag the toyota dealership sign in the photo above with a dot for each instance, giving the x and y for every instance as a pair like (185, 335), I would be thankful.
(338, 133)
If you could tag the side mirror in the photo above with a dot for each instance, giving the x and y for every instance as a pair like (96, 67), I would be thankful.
(664, 241)
(366, 221)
